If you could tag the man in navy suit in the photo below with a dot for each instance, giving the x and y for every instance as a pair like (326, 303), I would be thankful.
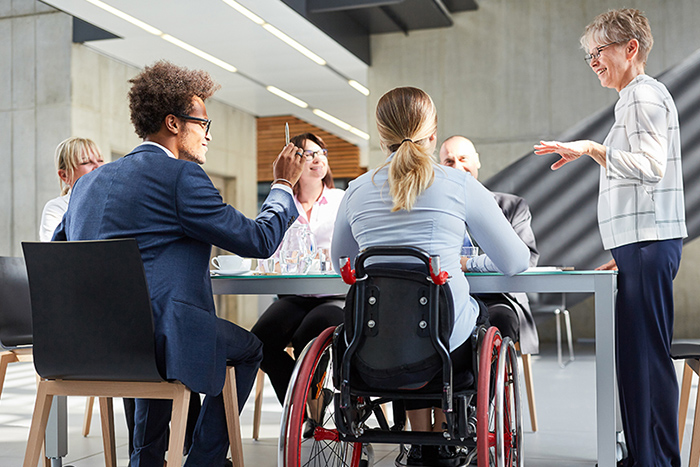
(159, 195)
(510, 313)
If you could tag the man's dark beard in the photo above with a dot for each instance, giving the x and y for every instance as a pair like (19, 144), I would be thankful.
(186, 156)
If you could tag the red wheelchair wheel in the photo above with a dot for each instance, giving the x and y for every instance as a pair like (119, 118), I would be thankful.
(308, 435)
(486, 398)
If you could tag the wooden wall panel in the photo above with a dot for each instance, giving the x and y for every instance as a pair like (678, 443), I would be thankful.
(343, 157)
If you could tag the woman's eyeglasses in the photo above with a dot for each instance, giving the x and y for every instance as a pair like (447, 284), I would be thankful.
(596, 53)
(311, 155)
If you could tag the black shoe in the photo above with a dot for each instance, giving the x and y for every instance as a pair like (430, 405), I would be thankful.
(421, 455)
(449, 456)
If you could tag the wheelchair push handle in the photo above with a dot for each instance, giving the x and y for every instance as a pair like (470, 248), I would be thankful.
(438, 277)
(346, 271)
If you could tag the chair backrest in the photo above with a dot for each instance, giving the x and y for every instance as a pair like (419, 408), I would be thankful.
(398, 321)
(91, 311)
(15, 307)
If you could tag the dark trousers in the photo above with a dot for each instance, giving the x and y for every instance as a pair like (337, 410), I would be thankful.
(644, 329)
(502, 314)
(210, 438)
(296, 320)
(192, 415)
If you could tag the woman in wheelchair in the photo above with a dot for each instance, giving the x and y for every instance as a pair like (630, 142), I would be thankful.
(411, 200)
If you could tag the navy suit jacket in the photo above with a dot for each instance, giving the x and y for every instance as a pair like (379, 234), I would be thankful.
(173, 211)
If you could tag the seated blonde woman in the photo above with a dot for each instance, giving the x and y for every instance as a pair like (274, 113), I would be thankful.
(74, 158)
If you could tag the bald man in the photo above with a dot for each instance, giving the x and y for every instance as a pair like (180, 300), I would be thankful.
(510, 313)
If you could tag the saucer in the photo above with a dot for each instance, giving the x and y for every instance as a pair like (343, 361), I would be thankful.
(232, 272)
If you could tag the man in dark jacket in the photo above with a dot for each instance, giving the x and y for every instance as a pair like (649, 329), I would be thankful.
(160, 195)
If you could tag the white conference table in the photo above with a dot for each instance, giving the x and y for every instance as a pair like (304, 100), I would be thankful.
(601, 283)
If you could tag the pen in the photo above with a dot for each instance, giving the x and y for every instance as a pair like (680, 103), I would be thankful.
(286, 133)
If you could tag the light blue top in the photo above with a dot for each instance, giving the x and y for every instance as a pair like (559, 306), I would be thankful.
(437, 224)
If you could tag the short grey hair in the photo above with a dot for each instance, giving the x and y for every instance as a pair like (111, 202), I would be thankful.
(620, 26)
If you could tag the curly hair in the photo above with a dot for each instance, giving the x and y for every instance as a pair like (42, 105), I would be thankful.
(163, 89)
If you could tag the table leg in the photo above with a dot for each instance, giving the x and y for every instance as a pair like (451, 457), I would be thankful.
(606, 400)
(56, 437)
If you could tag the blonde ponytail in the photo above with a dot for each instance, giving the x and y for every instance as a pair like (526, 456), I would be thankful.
(406, 120)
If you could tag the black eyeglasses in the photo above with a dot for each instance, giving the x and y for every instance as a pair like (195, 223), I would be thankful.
(596, 53)
(205, 122)
(310, 155)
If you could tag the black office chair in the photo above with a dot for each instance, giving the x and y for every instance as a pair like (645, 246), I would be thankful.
(689, 352)
(94, 336)
(547, 303)
(15, 314)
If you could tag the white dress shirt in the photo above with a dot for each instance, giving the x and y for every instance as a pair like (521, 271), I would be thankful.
(641, 190)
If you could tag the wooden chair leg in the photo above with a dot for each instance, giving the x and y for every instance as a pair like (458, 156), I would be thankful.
(178, 422)
(42, 406)
(108, 441)
(257, 412)
(695, 439)
(530, 389)
(232, 417)
(683, 402)
(87, 418)
(5, 358)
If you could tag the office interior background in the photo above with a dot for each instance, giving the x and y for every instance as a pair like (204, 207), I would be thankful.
(505, 73)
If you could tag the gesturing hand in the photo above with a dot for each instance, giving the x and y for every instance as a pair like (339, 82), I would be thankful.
(289, 164)
(609, 266)
(567, 151)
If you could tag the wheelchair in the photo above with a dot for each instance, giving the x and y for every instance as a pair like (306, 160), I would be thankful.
(393, 347)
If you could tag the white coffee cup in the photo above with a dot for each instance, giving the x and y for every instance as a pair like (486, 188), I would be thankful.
(231, 263)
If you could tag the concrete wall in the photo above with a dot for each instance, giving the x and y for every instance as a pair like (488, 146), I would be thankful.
(35, 110)
(56, 89)
(512, 73)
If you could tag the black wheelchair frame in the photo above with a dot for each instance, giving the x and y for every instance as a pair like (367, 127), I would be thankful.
(482, 412)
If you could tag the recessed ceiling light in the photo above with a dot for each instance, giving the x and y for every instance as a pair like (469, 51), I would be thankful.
(245, 12)
(291, 42)
(287, 96)
(359, 87)
(199, 53)
(359, 133)
(126, 17)
(335, 121)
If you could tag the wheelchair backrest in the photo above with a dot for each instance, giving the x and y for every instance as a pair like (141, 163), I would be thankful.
(397, 321)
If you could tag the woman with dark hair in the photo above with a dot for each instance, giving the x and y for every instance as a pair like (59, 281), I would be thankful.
(298, 319)
(411, 200)
(641, 216)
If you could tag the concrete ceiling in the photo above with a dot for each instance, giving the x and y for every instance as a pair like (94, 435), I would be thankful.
(261, 59)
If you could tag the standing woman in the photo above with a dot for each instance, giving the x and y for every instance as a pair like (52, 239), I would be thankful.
(641, 216)
(74, 158)
(298, 319)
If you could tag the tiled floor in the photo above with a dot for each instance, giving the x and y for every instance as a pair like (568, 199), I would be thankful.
(565, 407)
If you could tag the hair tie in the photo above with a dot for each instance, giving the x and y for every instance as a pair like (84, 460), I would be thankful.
(407, 139)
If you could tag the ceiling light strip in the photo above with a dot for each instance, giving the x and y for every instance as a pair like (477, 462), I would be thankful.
(294, 44)
(228, 67)
(245, 12)
(199, 53)
(358, 87)
(286, 96)
(126, 17)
